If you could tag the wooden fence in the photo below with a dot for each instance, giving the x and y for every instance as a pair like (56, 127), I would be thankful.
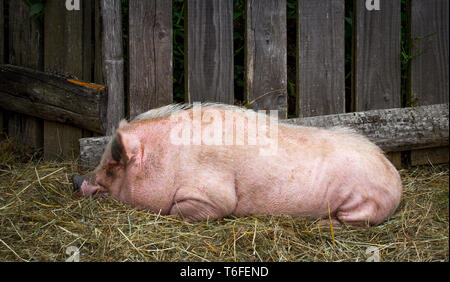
(87, 44)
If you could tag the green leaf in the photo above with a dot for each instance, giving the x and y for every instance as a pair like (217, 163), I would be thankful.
(36, 9)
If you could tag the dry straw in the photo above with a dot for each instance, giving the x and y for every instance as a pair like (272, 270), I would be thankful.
(40, 219)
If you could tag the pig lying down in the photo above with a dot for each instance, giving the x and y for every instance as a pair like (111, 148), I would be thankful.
(212, 160)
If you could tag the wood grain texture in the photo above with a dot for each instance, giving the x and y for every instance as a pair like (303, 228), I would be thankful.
(321, 57)
(266, 54)
(430, 156)
(2, 32)
(2, 54)
(429, 68)
(64, 53)
(429, 83)
(150, 55)
(392, 129)
(52, 98)
(111, 11)
(98, 45)
(25, 49)
(376, 66)
(209, 51)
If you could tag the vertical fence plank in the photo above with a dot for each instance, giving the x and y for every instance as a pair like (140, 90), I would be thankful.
(376, 65)
(321, 57)
(2, 51)
(376, 59)
(429, 68)
(64, 53)
(150, 55)
(266, 55)
(98, 44)
(98, 48)
(25, 49)
(209, 51)
(429, 81)
(2, 32)
(113, 62)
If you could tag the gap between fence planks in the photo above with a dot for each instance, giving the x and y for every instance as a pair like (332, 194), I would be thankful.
(392, 130)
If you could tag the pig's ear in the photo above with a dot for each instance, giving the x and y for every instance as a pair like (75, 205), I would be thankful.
(123, 123)
(131, 145)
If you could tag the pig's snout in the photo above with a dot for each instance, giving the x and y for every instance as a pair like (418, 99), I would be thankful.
(77, 182)
(85, 185)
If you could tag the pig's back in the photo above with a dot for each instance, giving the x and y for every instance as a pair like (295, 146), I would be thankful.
(312, 170)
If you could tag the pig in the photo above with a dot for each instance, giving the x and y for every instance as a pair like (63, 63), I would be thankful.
(325, 174)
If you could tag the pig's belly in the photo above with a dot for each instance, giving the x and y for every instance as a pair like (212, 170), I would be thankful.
(307, 191)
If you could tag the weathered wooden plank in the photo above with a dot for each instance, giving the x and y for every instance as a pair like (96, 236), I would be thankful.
(2, 32)
(63, 51)
(150, 55)
(429, 82)
(376, 65)
(23, 126)
(25, 49)
(25, 37)
(88, 47)
(430, 156)
(98, 46)
(52, 98)
(209, 51)
(113, 62)
(321, 57)
(87, 40)
(266, 55)
(429, 68)
(2, 51)
(393, 130)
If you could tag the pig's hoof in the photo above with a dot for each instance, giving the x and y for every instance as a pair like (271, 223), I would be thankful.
(325, 222)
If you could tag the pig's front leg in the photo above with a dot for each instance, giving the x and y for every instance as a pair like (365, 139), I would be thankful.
(197, 203)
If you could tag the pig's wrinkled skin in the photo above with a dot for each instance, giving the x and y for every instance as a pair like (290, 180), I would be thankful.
(313, 172)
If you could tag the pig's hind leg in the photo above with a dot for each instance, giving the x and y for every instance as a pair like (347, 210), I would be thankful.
(200, 202)
(363, 213)
(194, 210)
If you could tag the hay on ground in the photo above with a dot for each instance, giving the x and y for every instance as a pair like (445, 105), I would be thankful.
(41, 219)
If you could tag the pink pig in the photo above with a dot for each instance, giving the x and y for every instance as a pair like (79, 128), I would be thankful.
(158, 162)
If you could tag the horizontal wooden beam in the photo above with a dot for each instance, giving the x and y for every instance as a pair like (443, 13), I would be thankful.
(52, 97)
(392, 130)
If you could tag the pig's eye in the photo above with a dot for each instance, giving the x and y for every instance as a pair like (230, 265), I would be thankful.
(110, 171)
(111, 167)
